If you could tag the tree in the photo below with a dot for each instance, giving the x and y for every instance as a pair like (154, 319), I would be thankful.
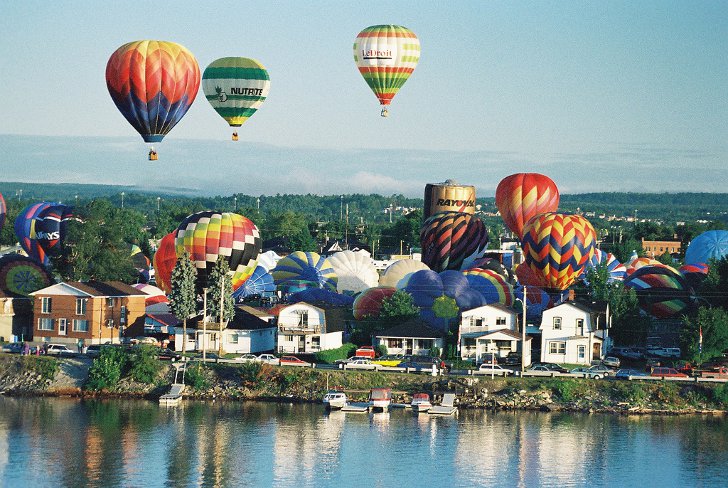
(220, 288)
(182, 297)
(714, 324)
(399, 307)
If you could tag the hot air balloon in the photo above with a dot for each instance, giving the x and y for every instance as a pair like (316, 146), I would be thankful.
(441, 296)
(306, 266)
(140, 262)
(293, 286)
(521, 196)
(557, 247)
(368, 304)
(694, 274)
(452, 240)
(322, 296)
(661, 291)
(268, 260)
(616, 271)
(153, 84)
(260, 283)
(494, 265)
(386, 56)
(26, 233)
(397, 274)
(50, 227)
(155, 295)
(712, 244)
(236, 88)
(164, 260)
(208, 235)
(493, 286)
(637, 263)
(537, 301)
(21, 275)
(355, 271)
(3, 211)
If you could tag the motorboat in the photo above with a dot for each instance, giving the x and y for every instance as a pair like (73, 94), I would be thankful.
(380, 398)
(334, 400)
(421, 402)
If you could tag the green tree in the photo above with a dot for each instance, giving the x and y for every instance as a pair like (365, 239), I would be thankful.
(220, 291)
(399, 307)
(714, 324)
(182, 297)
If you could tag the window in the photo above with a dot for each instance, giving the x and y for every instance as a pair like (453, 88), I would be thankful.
(557, 323)
(110, 302)
(557, 347)
(476, 321)
(45, 305)
(302, 317)
(500, 321)
(81, 306)
(233, 338)
(288, 338)
(579, 326)
(581, 351)
(80, 325)
(395, 343)
(426, 343)
(45, 324)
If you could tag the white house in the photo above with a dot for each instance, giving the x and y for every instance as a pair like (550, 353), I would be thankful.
(569, 334)
(304, 328)
(411, 337)
(492, 328)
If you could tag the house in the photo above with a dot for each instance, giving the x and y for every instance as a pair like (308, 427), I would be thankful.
(654, 249)
(414, 336)
(16, 317)
(95, 312)
(492, 328)
(569, 334)
(304, 328)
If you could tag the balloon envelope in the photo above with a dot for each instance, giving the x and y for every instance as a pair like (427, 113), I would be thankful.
(369, 302)
(661, 290)
(208, 235)
(452, 240)
(323, 296)
(616, 271)
(557, 247)
(386, 56)
(164, 260)
(712, 244)
(21, 275)
(260, 283)
(354, 270)
(25, 231)
(397, 274)
(305, 266)
(235, 87)
(493, 286)
(153, 84)
(522, 196)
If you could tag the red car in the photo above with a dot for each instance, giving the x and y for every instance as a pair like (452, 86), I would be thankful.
(292, 361)
(667, 373)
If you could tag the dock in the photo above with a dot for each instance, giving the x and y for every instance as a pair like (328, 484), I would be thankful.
(355, 407)
(447, 407)
(173, 396)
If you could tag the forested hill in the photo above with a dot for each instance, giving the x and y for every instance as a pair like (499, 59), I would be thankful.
(668, 206)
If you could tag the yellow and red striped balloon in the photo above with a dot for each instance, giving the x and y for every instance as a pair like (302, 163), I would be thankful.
(521, 196)
(557, 247)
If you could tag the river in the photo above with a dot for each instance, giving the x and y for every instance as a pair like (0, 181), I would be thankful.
(74, 443)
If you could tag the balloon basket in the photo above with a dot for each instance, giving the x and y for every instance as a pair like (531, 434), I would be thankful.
(235, 136)
(153, 155)
(384, 113)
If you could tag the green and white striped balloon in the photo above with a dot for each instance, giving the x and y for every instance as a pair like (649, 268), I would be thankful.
(235, 87)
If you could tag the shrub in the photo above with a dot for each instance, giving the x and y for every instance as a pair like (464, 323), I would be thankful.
(45, 367)
(565, 389)
(107, 369)
(144, 366)
(195, 377)
(330, 356)
(720, 394)
(381, 350)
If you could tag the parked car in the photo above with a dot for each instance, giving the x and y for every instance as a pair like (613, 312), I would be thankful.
(541, 367)
(93, 350)
(13, 347)
(512, 359)
(59, 350)
(551, 367)
(625, 373)
(488, 357)
(166, 354)
(611, 362)
(292, 361)
(495, 369)
(602, 369)
(667, 373)
(633, 353)
(588, 373)
(362, 363)
(246, 358)
(268, 358)
(366, 352)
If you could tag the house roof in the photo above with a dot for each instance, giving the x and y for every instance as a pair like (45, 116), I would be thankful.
(412, 328)
(245, 320)
(496, 306)
(495, 333)
(94, 288)
(260, 313)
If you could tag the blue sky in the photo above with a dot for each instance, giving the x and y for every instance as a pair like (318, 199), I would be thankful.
(600, 96)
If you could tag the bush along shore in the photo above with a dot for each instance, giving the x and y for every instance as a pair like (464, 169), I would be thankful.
(146, 377)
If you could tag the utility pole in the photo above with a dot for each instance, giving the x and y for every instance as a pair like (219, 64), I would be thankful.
(122, 199)
(524, 322)
(204, 322)
(222, 304)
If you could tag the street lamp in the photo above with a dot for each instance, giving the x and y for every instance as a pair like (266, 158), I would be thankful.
(158, 199)
(122, 199)
(236, 203)
(524, 322)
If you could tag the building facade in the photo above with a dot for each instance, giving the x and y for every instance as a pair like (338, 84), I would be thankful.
(569, 335)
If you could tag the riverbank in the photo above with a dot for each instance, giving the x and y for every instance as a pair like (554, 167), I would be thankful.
(42, 376)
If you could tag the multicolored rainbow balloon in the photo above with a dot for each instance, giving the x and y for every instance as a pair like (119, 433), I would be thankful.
(305, 266)
(661, 291)
(490, 284)
(522, 196)
(452, 240)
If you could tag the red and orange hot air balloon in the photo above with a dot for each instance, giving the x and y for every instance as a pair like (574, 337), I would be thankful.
(557, 248)
(153, 84)
(164, 261)
(521, 196)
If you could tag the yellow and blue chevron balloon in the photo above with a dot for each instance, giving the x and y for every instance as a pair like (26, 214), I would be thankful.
(557, 247)
(306, 266)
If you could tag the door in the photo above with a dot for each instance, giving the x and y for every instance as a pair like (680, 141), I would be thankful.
(62, 327)
(596, 351)
(408, 346)
(301, 344)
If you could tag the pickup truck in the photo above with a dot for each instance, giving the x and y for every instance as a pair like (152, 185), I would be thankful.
(719, 373)
(365, 352)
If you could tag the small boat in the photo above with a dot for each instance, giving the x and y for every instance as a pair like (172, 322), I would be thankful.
(334, 400)
(174, 396)
(447, 407)
(421, 402)
(380, 398)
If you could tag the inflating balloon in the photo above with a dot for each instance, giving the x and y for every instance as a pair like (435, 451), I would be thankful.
(637, 263)
(397, 274)
(322, 296)
(452, 240)
(355, 271)
(25, 231)
(140, 262)
(386, 56)
(522, 196)
(493, 286)
(21, 275)
(712, 244)
(164, 261)
(616, 271)
(50, 227)
(153, 84)
(155, 295)
(694, 274)
(236, 88)
(557, 247)
(305, 266)
(368, 304)
(493, 265)
(260, 283)
(662, 292)
(208, 235)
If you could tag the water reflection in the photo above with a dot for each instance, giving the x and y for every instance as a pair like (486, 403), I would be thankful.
(137, 443)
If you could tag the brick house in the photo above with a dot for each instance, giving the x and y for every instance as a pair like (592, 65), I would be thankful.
(94, 311)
